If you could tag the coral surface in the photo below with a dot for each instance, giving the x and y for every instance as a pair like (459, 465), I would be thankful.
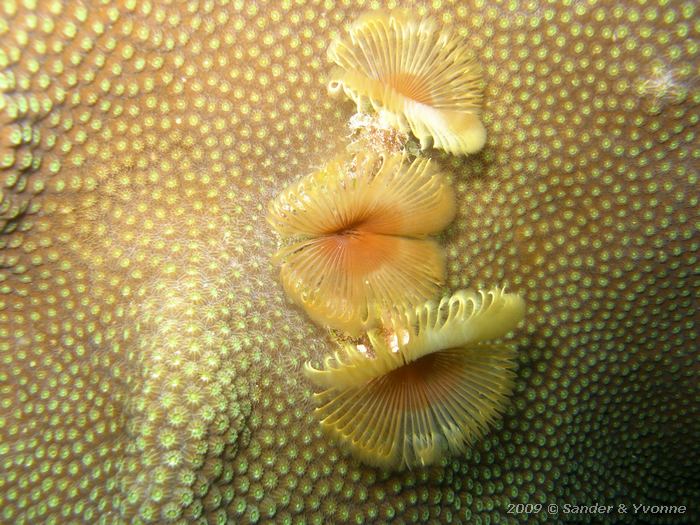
(150, 364)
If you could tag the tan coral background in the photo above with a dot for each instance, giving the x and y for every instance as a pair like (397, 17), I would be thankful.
(150, 364)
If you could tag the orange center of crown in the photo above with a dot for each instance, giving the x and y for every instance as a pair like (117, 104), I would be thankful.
(410, 86)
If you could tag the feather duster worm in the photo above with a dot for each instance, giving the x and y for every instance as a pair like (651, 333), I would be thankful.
(428, 388)
(415, 76)
(356, 232)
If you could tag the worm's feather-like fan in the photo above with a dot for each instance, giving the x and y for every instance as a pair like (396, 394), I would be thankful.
(429, 385)
(415, 76)
(356, 237)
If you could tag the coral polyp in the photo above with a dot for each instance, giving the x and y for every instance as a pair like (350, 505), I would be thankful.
(430, 384)
(415, 76)
(356, 233)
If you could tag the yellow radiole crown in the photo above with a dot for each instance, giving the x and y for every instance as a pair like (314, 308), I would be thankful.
(430, 383)
(358, 237)
(415, 76)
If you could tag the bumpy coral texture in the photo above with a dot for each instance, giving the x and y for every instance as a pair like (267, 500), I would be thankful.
(150, 365)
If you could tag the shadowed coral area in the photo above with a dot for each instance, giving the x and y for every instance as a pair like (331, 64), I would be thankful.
(150, 364)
